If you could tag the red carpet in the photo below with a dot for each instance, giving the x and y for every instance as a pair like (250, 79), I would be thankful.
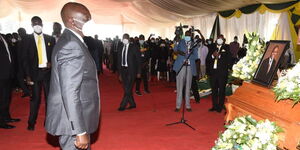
(139, 129)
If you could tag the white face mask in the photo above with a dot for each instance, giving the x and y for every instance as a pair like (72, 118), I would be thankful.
(13, 40)
(125, 41)
(37, 29)
(220, 41)
(88, 28)
(141, 42)
(209, 42)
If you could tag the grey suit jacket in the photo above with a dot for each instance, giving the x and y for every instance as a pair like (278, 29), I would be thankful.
(73, 105)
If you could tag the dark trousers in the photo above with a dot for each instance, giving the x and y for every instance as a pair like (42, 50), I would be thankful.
(41, 82)
(144, 77)
(218, 86)
(195, 88)
(5, 99)
(22, 84)
(153, 63)
(127, 81)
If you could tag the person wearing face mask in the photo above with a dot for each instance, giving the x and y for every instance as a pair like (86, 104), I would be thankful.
(145, 56)
(129, 60)
(153, 48)
(37, 49)
(185, 74)
(20, 52)
(163, 56)
(219, 61)
(234, 49)
(73, 108)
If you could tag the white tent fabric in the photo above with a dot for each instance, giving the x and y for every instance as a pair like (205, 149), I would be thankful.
(132, 16)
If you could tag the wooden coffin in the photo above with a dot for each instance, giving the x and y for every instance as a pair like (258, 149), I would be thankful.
(259, 102)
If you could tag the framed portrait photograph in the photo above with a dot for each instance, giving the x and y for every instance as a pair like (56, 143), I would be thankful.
(270, 62)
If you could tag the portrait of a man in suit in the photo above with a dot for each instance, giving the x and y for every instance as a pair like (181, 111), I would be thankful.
(268, 65)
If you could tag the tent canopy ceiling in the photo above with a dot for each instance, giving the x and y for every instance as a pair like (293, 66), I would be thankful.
(145, 12)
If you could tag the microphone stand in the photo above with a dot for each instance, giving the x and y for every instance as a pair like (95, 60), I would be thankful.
(182, 120)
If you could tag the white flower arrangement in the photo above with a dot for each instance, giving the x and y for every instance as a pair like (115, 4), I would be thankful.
(246, 67)
(245, 133)
(288, 86)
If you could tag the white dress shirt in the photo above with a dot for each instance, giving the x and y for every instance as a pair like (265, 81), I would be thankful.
(6, 47)
(44, 52)
(126, 53)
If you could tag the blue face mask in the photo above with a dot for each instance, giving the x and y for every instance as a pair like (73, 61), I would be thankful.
(187, 38)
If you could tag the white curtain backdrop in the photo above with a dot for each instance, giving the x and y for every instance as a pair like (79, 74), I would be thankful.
(264, 24)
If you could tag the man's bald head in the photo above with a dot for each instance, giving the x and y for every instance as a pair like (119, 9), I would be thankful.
(74, 15)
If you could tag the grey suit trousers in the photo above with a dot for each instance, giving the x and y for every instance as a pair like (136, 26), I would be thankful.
(66, 142)
(184, 79)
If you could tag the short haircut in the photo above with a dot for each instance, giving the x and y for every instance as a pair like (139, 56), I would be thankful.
(36, 18)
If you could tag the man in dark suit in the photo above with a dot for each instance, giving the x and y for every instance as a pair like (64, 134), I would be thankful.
(74, 102)
(37, 63)
(6, 74)
(114, 50)
(145, 57)
(267, 67)
(100, 51)
(219, 61)
(129, 68)
(20, 72)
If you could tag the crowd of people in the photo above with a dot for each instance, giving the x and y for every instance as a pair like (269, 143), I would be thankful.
(61, 63)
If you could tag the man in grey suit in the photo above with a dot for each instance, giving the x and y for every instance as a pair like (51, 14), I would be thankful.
(73, 102)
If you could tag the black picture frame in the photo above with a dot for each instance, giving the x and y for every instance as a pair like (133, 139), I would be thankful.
(268, 65)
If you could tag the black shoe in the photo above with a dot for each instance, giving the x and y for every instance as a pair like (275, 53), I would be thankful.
(25, 95)
(121, 109)
(138, 93)
(147, 91)
(12, 120)
(131, 107)
(6, 126)
(189, 109)
(219, 110)
(212, 109)
(176, 109)
(30, 127)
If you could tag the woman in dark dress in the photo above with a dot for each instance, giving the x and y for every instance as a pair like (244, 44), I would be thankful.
(162, 60)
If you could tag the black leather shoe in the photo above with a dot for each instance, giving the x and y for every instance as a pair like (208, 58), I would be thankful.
(189, 109)
(219, 110)
(25, 95)
(12, 120)
(212, 109)
(6, 126)
(30, 127)
(147, 91)
(131, 107)
(121, 109)
(138, 93)
(176, 109)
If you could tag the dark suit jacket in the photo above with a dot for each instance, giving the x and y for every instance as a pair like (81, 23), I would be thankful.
(6, 67)
(133, 59)
(74, 100)
(30, 55)
(223, 61)
(262, 74)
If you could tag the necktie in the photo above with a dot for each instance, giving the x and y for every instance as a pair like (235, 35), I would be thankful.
(124, 56)
(40, 49)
